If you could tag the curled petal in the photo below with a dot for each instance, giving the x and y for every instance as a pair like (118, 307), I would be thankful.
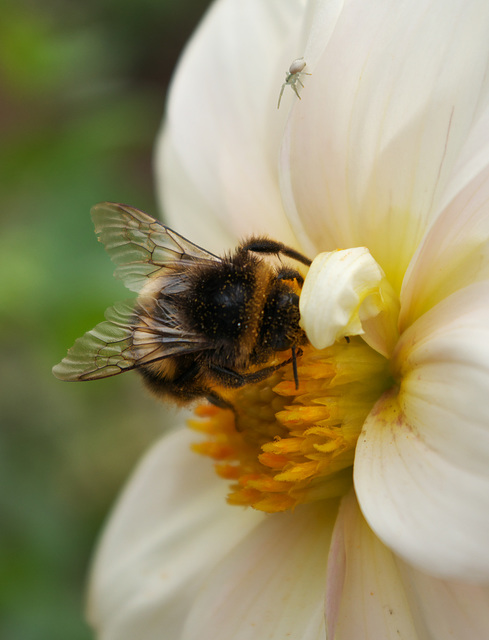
(346, 294)
(422, 461)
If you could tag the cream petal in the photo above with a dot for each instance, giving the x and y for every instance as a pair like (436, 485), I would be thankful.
(223, 127)
(346, 294)
(375, 595)
(370, 148)
(446, 609)
(422, 461)
(474, 155)
(455, 251)
(170, 527)
(185, 206)
(366, 596)
(273, 585)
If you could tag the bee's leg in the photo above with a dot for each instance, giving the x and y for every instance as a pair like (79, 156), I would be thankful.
(265, 245)
(236, 380)
(294, 367)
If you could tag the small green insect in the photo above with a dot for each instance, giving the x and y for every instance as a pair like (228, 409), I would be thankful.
(293, 76)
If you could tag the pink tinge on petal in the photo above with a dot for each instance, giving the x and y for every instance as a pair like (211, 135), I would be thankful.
(335, 577)
(446, 609)
(365, 593)
(422, 461)
(372, 593)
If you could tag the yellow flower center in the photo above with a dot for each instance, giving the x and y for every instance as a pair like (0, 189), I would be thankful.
(285, 446)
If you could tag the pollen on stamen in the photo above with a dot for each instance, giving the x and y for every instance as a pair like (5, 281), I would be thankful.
(284, 446)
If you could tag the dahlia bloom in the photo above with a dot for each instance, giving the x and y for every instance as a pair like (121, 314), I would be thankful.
(370, 483)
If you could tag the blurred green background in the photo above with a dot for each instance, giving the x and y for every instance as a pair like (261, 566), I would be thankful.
(82, 89)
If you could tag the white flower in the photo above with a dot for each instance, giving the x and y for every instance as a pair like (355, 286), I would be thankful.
(388, 149)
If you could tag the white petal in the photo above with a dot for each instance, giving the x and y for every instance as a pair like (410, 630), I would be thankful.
(370, 602)
(422, 461)
(169, 529)
(444, 609)
(273, 585)
(223, 129)
(377, 596)
(346, 294)
(185, 205)
(388, 106)
(455, 251)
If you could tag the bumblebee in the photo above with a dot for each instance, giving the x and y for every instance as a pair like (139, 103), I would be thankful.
(201, 324)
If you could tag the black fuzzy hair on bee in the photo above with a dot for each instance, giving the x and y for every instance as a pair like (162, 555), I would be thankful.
(201, 323)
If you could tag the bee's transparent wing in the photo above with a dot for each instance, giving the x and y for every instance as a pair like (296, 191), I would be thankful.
(129, 338)
(104, 351)
(142, 247)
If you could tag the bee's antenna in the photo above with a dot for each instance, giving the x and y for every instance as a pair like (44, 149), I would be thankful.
(294, 367)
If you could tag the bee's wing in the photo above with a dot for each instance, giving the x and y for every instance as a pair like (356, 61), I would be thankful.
(104, 351)
(142, 247)
(129, 338)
